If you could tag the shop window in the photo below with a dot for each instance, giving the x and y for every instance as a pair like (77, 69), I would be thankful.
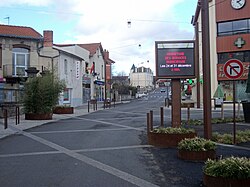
(66, 95)
(243, 56)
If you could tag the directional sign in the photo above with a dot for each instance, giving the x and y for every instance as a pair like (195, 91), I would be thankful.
(233, 69)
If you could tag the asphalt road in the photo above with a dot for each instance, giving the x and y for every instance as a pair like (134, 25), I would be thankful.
(106, 148)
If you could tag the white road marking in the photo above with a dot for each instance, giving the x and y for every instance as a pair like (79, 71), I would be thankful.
(104, 167)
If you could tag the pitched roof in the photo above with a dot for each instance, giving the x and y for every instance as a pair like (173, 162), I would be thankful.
(19, 32)
(91, 47)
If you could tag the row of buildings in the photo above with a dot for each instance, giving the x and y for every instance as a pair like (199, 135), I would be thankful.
(229, 34)
(86, 68)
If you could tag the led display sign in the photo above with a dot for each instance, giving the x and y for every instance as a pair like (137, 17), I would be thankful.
(175, 59)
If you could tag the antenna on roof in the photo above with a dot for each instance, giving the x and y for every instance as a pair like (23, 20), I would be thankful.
(8, 19)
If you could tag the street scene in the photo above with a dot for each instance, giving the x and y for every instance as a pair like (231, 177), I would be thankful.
(107, 147)
(125, 93)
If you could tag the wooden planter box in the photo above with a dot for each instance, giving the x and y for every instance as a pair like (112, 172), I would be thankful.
(196, 155)
(63, 110)
(33, 116)
(210, 181)
(167, 140)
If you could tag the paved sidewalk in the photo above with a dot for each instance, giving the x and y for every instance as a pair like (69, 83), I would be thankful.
(27, 124)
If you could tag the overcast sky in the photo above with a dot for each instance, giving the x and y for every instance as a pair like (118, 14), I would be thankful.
(106, 21)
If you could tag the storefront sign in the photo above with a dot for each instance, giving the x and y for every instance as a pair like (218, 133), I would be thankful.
(77, 70)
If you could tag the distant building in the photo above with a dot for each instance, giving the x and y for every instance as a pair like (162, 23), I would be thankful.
(141, 77)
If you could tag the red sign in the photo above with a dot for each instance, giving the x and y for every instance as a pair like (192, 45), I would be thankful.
(233, 69)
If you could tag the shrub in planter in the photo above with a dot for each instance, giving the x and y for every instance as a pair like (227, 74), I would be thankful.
(196, 149)
(41, 95)
(241, 137)
(232, 171)
(169, 137)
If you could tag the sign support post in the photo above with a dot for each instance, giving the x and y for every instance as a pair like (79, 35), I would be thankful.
(233, 69)
(176, 102)
(234, 111)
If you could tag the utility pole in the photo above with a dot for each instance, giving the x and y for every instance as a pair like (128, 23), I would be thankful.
(206, 69)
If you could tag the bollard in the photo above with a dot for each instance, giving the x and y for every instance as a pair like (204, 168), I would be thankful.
(96, 104)
(151, 120)
(222, 111)
(165, 102)
(17, 115)
(88, 106)
(188, 114)
(161, 116)
(5, 115)
(148, 123)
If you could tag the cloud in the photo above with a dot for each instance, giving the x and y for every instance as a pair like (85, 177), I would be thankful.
(93, 21)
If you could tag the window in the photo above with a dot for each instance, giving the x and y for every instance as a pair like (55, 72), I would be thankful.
(66, 95)
(233, 27)
(20, 61)
(243, 56)
(65, 66)
(240, 26)
(225, 28)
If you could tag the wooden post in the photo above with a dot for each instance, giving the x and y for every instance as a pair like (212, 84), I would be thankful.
(176, 102)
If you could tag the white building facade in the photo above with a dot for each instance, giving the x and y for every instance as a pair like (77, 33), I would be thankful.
(142, 78)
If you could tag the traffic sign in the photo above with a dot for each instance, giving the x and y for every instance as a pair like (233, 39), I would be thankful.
(233, 69)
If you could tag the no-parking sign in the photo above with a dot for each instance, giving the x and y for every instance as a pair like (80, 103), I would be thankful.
(233, 69)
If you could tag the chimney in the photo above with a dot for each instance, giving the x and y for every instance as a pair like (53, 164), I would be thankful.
(106, 54)
(48, 38)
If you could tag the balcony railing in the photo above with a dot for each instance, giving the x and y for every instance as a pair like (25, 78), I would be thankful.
(11, 70)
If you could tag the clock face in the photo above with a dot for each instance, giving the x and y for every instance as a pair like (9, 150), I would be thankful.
(238, 4)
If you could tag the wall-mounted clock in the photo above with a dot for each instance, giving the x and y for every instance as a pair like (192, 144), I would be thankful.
(238, 4)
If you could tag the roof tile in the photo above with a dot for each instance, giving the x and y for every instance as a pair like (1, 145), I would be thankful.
(19, 31)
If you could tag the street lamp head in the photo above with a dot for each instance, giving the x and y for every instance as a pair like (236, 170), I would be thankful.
(129, 23)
